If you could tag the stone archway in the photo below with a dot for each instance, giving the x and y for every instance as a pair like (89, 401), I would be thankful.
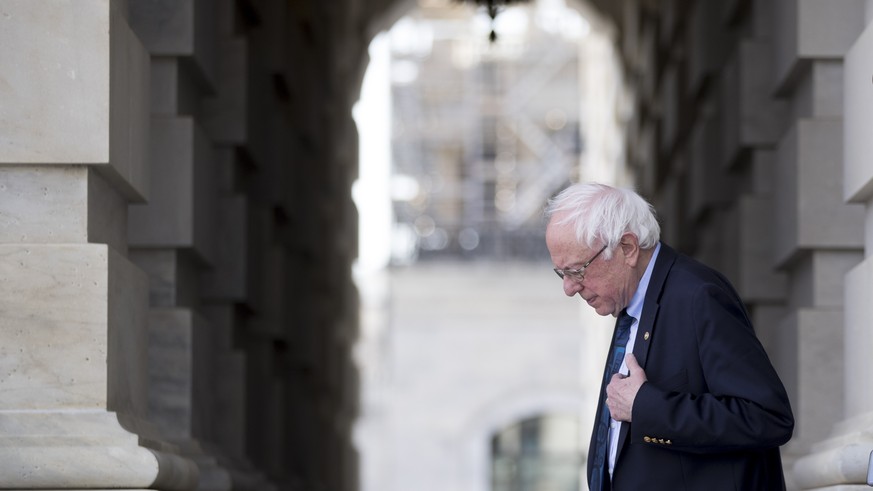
(475, 456)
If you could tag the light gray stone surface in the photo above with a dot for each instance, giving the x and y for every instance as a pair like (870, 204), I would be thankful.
(858, 170)
(820, 352)
(42, 123)
(43, 204)
(60, 204)
(76, 95)
(810, 29)
(83, 450)
(809, 201)
(859, 336)
(128, 110)
(65, 308)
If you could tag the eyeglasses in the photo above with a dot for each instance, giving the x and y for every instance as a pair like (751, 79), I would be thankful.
(578, 274)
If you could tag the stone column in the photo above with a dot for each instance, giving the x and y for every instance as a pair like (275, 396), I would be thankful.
(751, 121)
(747, 167)
(73, 308)
(840, 460)
(246, 421)
(180, 239)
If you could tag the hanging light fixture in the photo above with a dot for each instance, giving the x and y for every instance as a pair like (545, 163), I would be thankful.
(494, 7)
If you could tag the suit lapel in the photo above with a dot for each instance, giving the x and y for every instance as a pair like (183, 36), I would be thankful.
(651, 304)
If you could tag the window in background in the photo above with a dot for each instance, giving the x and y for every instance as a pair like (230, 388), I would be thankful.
(538, 454)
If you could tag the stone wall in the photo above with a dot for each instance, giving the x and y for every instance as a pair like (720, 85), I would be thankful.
(176, 241)
(754, 173)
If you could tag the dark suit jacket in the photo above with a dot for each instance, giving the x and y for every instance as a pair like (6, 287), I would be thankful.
(713, 412)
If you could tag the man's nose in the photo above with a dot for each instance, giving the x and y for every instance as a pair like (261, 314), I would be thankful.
(571, 286)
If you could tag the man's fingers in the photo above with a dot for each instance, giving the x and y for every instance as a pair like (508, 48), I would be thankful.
(634, 369)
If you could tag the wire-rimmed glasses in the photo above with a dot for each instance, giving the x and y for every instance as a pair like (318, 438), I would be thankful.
(578, 274)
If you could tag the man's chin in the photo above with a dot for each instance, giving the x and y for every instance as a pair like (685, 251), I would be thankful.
(599, 307)
(603, 310)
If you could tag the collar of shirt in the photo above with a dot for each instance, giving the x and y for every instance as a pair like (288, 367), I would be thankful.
(635, 308)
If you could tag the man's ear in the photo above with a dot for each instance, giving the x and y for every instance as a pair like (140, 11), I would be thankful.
(630, 247)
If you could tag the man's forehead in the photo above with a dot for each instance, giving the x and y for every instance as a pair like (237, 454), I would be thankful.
(564, 237)
(558, 231)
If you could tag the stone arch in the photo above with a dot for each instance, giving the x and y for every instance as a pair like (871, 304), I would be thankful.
(504, 410)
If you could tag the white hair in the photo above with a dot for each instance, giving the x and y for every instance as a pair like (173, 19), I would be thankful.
(602, 214)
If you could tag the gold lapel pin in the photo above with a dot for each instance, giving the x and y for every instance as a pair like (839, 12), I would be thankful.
(646, 336)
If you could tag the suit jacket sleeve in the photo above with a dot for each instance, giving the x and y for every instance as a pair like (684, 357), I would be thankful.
(711, 386)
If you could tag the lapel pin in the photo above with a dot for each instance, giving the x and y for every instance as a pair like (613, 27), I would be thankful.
(646, 336)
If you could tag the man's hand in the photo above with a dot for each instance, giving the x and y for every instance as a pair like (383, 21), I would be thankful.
(622, 390)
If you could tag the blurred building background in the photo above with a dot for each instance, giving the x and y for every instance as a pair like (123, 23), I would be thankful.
(196, 292)
(477, 372)
(483, 131)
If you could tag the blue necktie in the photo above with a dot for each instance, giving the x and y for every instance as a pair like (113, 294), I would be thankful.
(622, 334)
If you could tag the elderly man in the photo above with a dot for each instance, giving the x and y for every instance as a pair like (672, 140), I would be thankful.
(695, 404)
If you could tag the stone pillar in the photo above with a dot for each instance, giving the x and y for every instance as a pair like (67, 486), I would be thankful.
(840, 460)
(188, 237)
(243, 278)
(242, 292)
(73, 308)
(748, 171)
(751, 121)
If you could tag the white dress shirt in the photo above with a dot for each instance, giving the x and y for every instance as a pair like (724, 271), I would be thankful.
(635, 310)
